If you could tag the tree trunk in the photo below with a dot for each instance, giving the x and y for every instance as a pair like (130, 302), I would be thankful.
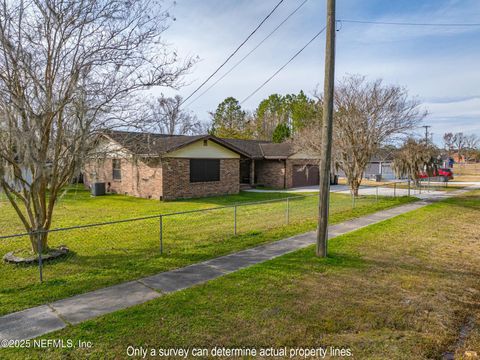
(354, 186)
(39, 241)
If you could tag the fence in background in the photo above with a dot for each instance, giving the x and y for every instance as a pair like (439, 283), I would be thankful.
(467, 169)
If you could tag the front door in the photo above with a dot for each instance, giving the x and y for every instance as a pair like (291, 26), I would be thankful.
(245, 171)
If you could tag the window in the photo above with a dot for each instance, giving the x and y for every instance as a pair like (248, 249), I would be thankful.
(203, 170)
(117, 169)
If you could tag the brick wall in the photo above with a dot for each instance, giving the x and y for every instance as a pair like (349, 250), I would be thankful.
(270, 173)
(176, 179)
(139, 178)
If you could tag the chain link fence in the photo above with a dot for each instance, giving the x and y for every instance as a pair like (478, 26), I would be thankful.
(111, 252)
(128, 246)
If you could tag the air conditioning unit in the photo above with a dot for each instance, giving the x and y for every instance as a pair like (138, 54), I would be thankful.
(98, 189)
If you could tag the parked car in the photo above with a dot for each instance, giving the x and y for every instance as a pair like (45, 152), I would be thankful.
(444, 173)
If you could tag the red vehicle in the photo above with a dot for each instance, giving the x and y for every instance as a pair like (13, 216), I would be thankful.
(444, 173)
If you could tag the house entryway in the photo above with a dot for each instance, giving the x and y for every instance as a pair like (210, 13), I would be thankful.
(247, 173)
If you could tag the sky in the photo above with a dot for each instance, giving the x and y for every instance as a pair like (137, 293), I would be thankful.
(438, 65)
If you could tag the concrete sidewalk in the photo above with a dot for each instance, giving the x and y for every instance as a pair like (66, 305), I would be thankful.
(43, 319)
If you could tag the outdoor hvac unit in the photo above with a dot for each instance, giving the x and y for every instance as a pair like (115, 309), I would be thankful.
(98, 189)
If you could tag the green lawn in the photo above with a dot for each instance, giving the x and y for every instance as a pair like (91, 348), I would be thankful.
(110, 254)
(400, 289)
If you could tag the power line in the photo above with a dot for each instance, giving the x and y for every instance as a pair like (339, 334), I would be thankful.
(281, 68)
(232, 54)
(408, 23)
(248, 54)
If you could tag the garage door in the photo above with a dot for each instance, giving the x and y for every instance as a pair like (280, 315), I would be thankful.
(305, 175)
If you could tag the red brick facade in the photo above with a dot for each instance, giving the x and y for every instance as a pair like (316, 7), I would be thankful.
(141, 178)
(176, 179)
(278, 174)
(166, 179)
(270, 173)
(166, 173)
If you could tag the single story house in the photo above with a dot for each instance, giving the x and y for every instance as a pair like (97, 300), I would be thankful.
(169, 167)
(380, 164)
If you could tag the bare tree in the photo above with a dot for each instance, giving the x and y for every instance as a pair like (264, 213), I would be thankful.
(367, 116)
(69, 68)
(448, 143)
(167, 117)
(458, 141)
(471, 143)
(413, 158)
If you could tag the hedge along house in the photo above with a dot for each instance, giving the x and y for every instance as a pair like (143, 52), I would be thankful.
(169, 167)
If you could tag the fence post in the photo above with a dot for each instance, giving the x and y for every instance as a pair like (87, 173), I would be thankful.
(287, 214)
(376, 193)
(408, 187)
(39, 249)
(394, 190)
(161, 233)
(353, 200)
(235, 220)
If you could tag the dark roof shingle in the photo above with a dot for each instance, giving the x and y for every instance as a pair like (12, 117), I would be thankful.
(250, 147)
(142, 143)
(277, 151)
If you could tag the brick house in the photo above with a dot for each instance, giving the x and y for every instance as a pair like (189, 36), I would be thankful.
(169, 167)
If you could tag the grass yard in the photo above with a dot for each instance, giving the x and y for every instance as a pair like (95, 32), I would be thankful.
(111, 254)
(400, 289)
(465, 178)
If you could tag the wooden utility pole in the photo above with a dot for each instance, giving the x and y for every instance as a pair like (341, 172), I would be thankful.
(327, 129)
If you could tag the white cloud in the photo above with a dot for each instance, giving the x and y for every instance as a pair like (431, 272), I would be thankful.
(461, 115)
(464, 108)
(433, 63)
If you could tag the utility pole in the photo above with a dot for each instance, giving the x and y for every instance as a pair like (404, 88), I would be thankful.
(426, 133)
(327, 129)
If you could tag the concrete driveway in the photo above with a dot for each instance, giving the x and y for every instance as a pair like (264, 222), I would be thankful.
(364, 190)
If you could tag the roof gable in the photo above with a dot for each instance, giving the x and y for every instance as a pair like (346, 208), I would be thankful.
(204, 149)
(151, 144)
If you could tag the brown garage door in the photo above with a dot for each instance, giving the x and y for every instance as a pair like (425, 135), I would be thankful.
(305, 175)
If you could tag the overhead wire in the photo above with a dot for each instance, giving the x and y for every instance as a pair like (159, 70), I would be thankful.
(249, 53)
(283, 66)
(234, 52)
